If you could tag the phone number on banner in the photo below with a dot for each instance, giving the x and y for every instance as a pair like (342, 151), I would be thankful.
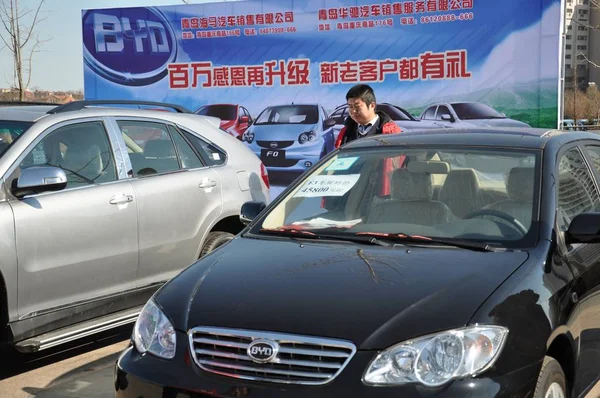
(270, 31)
(465, 16)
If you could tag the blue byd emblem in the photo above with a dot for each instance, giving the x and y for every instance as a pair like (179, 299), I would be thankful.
(131, 46)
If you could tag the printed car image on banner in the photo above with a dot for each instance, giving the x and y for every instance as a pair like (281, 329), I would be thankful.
(276, 72)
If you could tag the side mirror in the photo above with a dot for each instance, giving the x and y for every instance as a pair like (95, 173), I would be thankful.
(39, 179)
(250, 210)
(447, 117)
(244, 119)
(328, 123)
(584, 228)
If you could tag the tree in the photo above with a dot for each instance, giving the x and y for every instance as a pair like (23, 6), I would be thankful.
(594, 8)
(19, 37)
(593, 96)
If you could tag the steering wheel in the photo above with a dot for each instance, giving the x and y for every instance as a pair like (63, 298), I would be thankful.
(499, 214)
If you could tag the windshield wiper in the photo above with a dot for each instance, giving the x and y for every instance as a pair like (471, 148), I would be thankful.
(290, 232)
(463, 244)
(312, 235)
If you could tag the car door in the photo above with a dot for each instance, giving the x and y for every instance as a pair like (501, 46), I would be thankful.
(178, 197)
(443, 110)
(78, 244)
(577, 192)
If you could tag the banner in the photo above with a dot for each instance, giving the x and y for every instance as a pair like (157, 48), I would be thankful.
(277, 71)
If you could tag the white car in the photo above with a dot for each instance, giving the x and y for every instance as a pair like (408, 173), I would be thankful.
(101, 206)
(467, 115)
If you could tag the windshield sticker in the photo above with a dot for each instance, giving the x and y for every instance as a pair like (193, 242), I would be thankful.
(327, 186)
(341, 164)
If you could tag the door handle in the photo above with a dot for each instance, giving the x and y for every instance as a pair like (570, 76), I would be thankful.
(207, 183)
(121, 199)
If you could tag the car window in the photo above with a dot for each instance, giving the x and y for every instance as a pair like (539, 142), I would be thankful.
(405, 190)
(442, 110)
(475, 110)
(593, 153)
(150, 147)
(211, 155)
(10, 131)
(188, 158)
(338, 116)
(394, 112)
(576, 190)
(429, 113)
(289, 114)
(82, 150)
(223, 112)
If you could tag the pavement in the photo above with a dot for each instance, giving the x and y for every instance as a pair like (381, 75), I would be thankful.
(88, 374)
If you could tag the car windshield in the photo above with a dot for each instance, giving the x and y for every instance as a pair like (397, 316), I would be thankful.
(223, 112)
(464, 194)
(10, 131)
(466, 111)
(289, 114)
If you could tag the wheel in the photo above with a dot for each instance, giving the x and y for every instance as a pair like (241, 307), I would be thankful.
(551, 381)
(499, 214)
(214, 240)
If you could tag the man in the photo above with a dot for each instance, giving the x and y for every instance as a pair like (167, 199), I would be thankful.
(364, 121)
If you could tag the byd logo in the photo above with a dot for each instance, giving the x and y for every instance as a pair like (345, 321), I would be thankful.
(132, 47)
(262, 351)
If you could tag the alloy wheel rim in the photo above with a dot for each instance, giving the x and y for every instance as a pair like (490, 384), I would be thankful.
(555, 391)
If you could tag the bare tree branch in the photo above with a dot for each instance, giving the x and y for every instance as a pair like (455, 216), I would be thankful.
(35, 21)
(18, 34)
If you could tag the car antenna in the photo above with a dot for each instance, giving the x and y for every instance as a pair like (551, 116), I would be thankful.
(296, 96)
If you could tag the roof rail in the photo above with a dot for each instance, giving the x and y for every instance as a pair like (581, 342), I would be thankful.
(79, 105)
(26, 103)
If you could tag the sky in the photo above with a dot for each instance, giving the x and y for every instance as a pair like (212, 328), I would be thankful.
(59, 64)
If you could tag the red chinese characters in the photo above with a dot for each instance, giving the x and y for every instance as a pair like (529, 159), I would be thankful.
(329, 72)
(270, 73)
(427, 66)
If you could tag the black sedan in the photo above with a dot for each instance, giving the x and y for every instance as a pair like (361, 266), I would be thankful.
(426, 264)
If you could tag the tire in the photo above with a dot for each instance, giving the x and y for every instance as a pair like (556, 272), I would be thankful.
(551, 381)
(214, 240)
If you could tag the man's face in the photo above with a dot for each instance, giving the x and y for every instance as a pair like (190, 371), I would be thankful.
(359, 111)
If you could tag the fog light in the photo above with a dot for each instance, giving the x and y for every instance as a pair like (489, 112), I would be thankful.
(308, 164)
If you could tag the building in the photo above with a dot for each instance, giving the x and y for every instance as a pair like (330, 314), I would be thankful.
(581, 42)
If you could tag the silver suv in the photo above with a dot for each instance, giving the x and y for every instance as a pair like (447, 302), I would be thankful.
(100, 206)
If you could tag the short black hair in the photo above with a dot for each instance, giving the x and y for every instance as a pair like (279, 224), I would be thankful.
(362, 91)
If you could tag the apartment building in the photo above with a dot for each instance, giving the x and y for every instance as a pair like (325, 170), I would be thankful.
(581, 42)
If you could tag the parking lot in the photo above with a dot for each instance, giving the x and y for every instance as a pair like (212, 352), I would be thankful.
(80, 369)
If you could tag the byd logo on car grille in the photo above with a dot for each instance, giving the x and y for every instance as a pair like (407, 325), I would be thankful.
(263, 351)
(132, 47)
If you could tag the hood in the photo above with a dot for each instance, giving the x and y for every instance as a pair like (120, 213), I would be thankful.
(280, 132)
(496, 123)
(372, 296)
(418, 124)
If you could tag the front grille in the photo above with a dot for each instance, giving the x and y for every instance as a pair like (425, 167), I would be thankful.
(280, 144)
(300, 359)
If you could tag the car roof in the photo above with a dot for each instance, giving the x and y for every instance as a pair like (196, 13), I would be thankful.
(174, 117)
(517, 137)
(24, 113)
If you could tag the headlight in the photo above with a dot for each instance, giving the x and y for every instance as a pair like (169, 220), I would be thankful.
(310, 136)
(154, 333)
(436, 359)
(248, 137)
